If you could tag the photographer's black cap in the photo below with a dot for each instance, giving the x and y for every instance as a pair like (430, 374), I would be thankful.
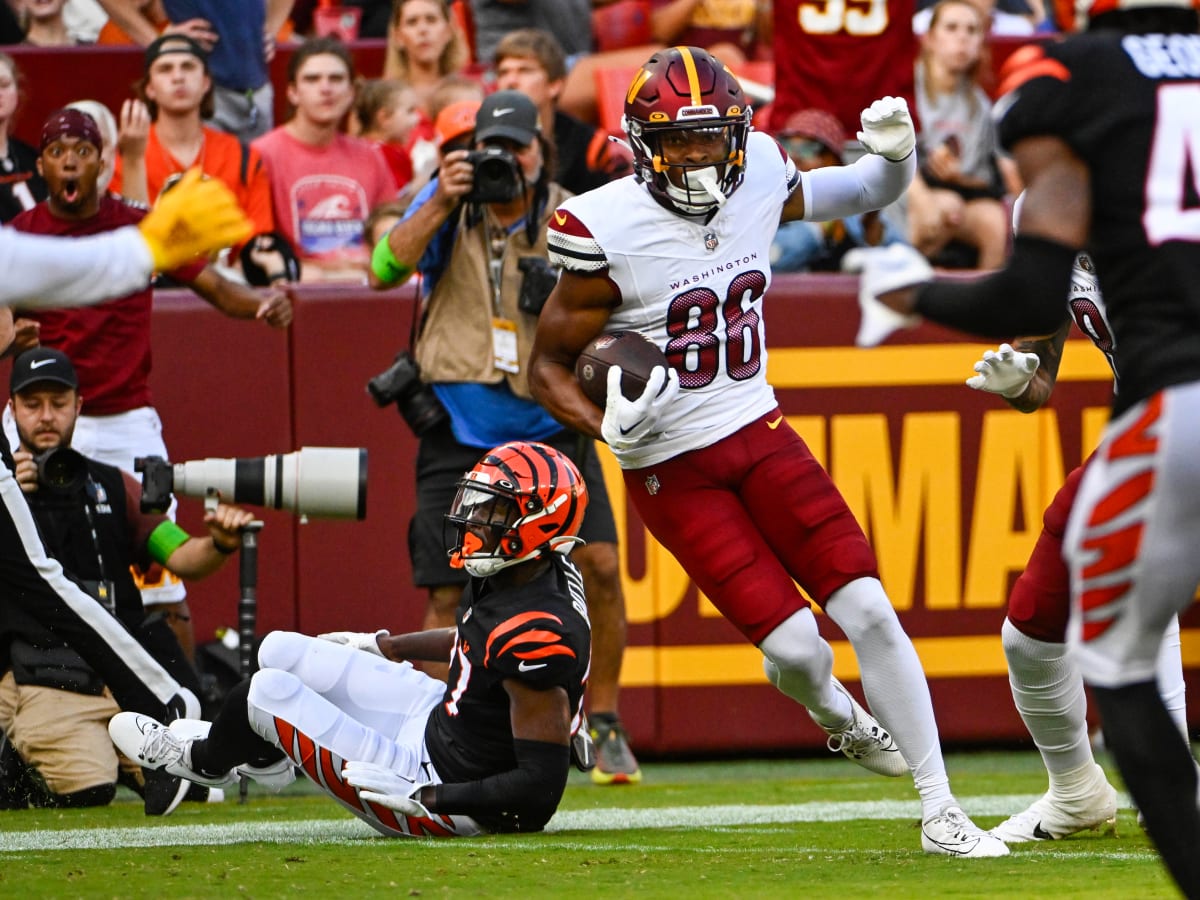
(39, 364)
(508, 114)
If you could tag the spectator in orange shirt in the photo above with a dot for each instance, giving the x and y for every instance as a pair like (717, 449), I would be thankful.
(177, 89)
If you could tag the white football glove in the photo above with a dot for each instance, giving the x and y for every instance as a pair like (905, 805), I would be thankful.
(628, 422)
(359, 640)
(888, 129)
(884, 269)
(1004, 371)
(385, 787)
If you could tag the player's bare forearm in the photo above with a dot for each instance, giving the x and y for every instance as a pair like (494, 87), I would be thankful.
(573, 315)
(420, 646)
(1041, 386)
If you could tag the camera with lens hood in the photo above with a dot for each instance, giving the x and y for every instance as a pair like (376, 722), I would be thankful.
(497, 176)
(61, 469)
(329, 482)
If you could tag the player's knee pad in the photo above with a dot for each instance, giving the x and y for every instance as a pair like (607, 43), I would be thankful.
(795, 657)
(270, 687)
(282, 650)
(862, 610)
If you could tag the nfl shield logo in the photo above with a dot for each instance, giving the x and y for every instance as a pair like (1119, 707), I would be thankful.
(652, 484)
(710, 241)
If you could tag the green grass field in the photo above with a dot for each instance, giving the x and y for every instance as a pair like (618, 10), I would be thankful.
(810, 828)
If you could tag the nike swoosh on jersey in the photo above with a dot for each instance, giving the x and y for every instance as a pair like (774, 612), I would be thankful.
(560, 218)
(775, 424)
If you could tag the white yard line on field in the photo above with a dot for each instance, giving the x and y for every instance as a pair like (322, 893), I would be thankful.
(351, 829)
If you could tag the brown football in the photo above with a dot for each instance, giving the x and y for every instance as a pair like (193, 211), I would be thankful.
(633, 352)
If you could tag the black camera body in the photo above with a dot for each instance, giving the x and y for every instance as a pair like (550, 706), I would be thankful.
(61, 469)
(158, 482)
(401, 384)
(497, 176)
(538, 279)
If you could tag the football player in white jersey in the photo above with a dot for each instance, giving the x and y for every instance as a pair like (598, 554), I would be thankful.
(679, 252)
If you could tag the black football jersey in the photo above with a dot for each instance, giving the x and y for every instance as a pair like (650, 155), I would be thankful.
(537, 633)
(1129, 106)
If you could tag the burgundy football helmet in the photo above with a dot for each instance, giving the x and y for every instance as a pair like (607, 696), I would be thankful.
(687, 89)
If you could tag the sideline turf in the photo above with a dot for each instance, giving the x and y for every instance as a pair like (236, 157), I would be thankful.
(317, 850)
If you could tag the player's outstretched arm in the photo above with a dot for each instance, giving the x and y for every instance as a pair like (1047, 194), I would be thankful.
(1026, 296)
(873, 181)
(1023, 373)
(194, 218)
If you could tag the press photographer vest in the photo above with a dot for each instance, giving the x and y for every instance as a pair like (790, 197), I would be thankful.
(455, 343)
(38, 657)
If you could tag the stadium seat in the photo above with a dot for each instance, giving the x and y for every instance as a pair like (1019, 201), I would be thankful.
(625, 23)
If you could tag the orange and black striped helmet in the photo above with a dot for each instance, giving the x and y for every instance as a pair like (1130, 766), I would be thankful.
(521, 500)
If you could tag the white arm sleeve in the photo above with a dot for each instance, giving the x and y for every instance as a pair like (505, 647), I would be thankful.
(40, 271)
(872, 182)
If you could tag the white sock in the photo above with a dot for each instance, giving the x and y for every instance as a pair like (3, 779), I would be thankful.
(1048, 692)
(1171, 685)
(894, 684)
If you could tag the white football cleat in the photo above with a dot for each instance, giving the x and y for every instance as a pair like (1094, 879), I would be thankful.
(153, 745)
(951, 833)
(1051, 818)
(864, 740)
(274, 777)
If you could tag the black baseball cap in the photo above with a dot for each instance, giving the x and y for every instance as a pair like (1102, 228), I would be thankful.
(39, 364)
(508, 114)
(174, 43)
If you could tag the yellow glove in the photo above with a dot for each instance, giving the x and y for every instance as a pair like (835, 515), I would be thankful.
(196, 216)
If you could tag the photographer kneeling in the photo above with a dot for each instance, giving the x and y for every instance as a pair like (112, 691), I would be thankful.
(477, 236)
(53, 708)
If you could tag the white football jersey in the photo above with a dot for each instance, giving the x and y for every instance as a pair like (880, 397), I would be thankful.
(695, 289)
(1086, 306)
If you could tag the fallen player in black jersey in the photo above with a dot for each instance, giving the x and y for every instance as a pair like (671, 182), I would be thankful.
(487, 751)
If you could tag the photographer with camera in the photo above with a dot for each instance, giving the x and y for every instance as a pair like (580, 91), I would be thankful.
(54, 708)
(477, 236)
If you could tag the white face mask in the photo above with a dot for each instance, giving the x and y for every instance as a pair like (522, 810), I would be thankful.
(699, 185)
